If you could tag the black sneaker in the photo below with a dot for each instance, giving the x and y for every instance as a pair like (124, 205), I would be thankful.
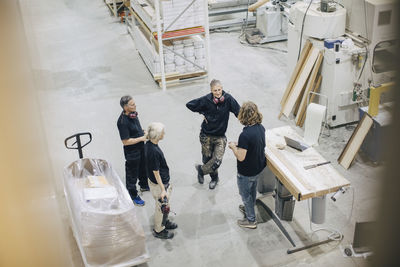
(200, 175)
(144, 189)
(213, 184)
(164, 234)
(170, 225)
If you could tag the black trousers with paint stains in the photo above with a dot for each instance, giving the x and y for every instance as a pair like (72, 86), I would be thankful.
(212, 150)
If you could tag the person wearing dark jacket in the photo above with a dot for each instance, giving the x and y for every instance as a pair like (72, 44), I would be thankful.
(133, 137)
(215, 107)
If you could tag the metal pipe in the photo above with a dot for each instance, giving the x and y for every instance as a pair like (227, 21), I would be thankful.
(160, 45)
(293, 250)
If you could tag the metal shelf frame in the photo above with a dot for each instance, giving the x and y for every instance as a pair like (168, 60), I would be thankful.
(160, 31)
(115, 5)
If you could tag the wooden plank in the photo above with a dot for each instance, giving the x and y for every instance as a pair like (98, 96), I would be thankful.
(296, 70)
(315, 88)
(300, 81)
(174, 76)
(309, 87)
(300, 98)
(353, 145)
(256, 5)
(182, 32)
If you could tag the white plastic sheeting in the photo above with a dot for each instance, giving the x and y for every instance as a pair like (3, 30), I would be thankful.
(106, 229)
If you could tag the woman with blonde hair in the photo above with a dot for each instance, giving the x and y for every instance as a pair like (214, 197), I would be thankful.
(158, 173)
(251, 160)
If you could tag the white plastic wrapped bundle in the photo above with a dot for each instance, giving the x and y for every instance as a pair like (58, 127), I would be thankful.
(189, 66)
(169, 57)
(179, 61)
(201, 62)
(180, 69)
(187, 63)
(193, 17)
(177, 42)
(106, 229)
(188, 51)
(198, 41)
(199, 53)
(188, 41)
(178, 47)
(170, 67)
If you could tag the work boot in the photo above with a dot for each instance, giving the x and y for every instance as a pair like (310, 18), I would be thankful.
(213, 184)
(170, 225)
(247, 224)
(200, 174)
(164, 234)
(214, 180)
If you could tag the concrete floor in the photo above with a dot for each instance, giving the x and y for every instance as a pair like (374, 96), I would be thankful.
(84, 61)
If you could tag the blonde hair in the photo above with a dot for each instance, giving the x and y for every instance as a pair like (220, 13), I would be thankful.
(155, 130)
(249, 114)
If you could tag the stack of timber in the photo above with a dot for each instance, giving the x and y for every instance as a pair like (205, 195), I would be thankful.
(305, 79)
(183, 44)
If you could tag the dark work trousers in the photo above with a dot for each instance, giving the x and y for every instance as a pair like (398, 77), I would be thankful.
(212, 150)
(136, 170)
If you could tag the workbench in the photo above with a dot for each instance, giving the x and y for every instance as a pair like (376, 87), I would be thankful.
(287, 164)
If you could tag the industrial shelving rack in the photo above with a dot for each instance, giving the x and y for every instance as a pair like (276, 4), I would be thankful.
(116, 5)
(157, 33)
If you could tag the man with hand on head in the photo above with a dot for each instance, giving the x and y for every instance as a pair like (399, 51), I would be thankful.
(133, 137)
(251, 160)
(159, 183)
(215, 107)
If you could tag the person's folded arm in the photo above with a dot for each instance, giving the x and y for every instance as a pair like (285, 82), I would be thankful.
(196, 105)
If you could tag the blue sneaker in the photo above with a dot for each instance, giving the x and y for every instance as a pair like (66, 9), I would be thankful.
(138, 201)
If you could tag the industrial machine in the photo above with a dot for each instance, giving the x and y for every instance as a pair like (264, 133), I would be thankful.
(229, 13)
(272, 20)
(359, 40)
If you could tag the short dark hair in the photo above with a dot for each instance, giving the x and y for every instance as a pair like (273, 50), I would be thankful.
(124, 100)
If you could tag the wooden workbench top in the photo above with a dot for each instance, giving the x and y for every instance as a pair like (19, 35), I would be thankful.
(288, 165)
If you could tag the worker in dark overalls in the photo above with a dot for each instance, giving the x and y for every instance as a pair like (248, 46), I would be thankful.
(133, 138)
